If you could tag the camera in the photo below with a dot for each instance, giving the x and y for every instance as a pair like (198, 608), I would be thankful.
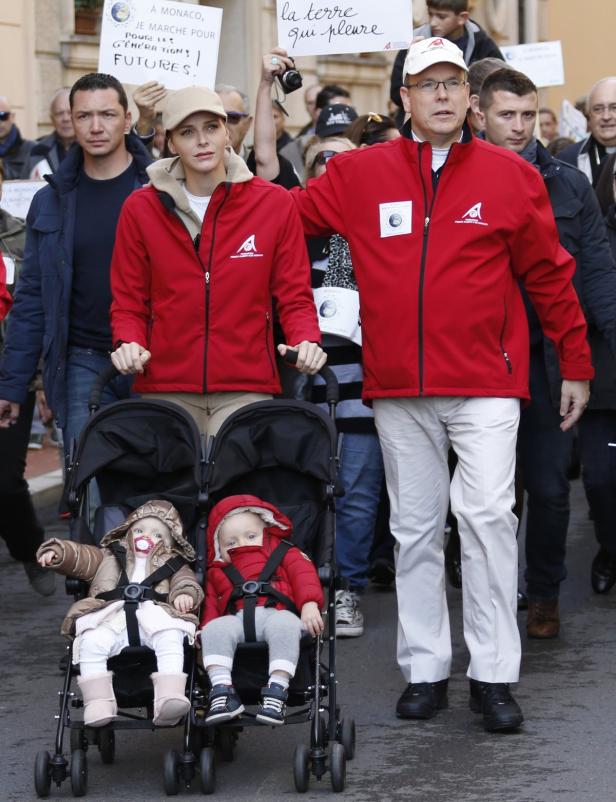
(290, 80)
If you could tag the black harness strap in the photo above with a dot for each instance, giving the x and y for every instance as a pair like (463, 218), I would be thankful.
(250, 590)
(134, 592)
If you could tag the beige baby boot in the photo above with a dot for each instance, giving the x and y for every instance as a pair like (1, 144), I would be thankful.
(99, 704)
(170, 702)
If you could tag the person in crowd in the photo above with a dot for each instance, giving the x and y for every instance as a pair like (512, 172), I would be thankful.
(370, 129)
(19, 526)
(449, 19)
(14, 149)
(310, 102)
(49, 151)
(438, 374)
(589, 154)
(478, 71)
(202, 216)
(328, 95)
(548, 125)
(244, 533)
(148, 547)
(334, 120)
(283, 137)
(509, 107)
(237, 108)
(61, 309)
(558, 144)
(603, 498)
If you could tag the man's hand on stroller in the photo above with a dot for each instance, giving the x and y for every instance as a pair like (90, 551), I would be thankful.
(310, 356)
(311, 619)
(183, 603)
(130, 358)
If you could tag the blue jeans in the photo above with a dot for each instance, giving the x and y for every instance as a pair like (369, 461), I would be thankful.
(596, 429)
(82, 368)
(361, 474)
(544, 452)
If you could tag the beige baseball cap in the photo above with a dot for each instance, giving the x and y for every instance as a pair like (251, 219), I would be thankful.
(181, 103)
(432, 51)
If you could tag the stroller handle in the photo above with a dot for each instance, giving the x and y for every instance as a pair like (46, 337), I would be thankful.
(98, 385)
(332, 391)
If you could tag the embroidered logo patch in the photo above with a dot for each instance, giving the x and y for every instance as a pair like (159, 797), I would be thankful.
(248, 249)
(473, 216)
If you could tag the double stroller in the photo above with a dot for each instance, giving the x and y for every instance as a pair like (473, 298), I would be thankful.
(282, 451)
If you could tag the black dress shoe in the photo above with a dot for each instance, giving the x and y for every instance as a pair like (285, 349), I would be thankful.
(494, 701)
(422, 699)
(603, 573)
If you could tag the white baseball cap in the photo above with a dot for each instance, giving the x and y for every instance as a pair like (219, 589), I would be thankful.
(428, 52)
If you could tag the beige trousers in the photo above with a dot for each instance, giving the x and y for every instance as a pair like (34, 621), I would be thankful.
(210, 411)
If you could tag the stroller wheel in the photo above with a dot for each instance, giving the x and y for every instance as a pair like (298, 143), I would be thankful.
(42, 774)
(226, 742)
(106, 745)
(208, 770)
(337, 766)
(78, 740)
(301, 768)
(79, 773)
(171, 773)
(346, 736)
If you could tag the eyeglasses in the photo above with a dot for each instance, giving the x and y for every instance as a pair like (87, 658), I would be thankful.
(429, 86)
(324, 156)
(599, 111)
(234, 117)
(4, 115)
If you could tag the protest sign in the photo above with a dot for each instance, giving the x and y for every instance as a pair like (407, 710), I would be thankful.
(314, 28)
(17, 196)
(572, 122)
(542, 62)
(173, 43)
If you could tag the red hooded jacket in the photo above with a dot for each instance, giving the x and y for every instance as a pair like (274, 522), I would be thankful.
(295, 577)
(199, 296)
(438, 270)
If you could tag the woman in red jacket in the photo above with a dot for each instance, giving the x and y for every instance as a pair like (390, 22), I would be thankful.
(243, 533)
(198, 256)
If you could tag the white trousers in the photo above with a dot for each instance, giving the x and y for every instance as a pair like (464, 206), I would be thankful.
(98, 644)
(415, 435)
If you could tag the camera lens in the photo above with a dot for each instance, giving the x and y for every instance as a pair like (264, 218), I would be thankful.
(291, 80)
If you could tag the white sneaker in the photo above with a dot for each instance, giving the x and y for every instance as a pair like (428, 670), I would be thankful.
(349, 619)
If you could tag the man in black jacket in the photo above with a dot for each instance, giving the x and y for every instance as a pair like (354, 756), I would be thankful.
(14, 149)
(508, 104)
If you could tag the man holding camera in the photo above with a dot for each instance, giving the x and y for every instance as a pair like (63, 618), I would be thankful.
(442, 227)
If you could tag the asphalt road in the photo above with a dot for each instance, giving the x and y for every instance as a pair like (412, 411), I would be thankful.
(566, 751)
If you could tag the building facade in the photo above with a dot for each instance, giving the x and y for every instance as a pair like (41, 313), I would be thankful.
(40, 51)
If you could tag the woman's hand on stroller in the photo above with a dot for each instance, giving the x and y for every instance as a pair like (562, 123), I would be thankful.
(183, 602)
(310, 356)
(130, 358)
(312, 620)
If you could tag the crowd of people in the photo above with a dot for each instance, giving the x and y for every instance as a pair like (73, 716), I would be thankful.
(483, 263)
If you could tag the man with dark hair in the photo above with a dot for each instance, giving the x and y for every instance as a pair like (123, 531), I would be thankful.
(14, 149)
(61, 308)
(440, 243)
(590, 154)
(449, 19)
(508, 106)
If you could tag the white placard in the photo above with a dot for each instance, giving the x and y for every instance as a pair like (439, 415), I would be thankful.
(542, 62)
(314, 28)
(572, 122)
(17, 196)
(173, 43)
(338, 311)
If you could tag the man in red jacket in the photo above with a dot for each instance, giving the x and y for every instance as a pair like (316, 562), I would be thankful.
(442, 227)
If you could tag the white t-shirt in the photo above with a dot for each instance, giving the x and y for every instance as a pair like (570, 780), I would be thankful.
(198, 203)
(439, 155)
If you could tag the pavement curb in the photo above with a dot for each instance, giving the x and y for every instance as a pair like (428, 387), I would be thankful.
(46, 489)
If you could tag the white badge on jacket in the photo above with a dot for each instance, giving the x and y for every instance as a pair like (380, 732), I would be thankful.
(396, 218)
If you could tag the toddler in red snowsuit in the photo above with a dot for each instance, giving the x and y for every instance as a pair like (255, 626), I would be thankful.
(243, 533)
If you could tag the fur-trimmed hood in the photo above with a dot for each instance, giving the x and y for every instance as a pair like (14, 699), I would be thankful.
(278, 525)
(167, 514)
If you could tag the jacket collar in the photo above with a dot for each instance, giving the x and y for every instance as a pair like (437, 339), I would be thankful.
(65, 179)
